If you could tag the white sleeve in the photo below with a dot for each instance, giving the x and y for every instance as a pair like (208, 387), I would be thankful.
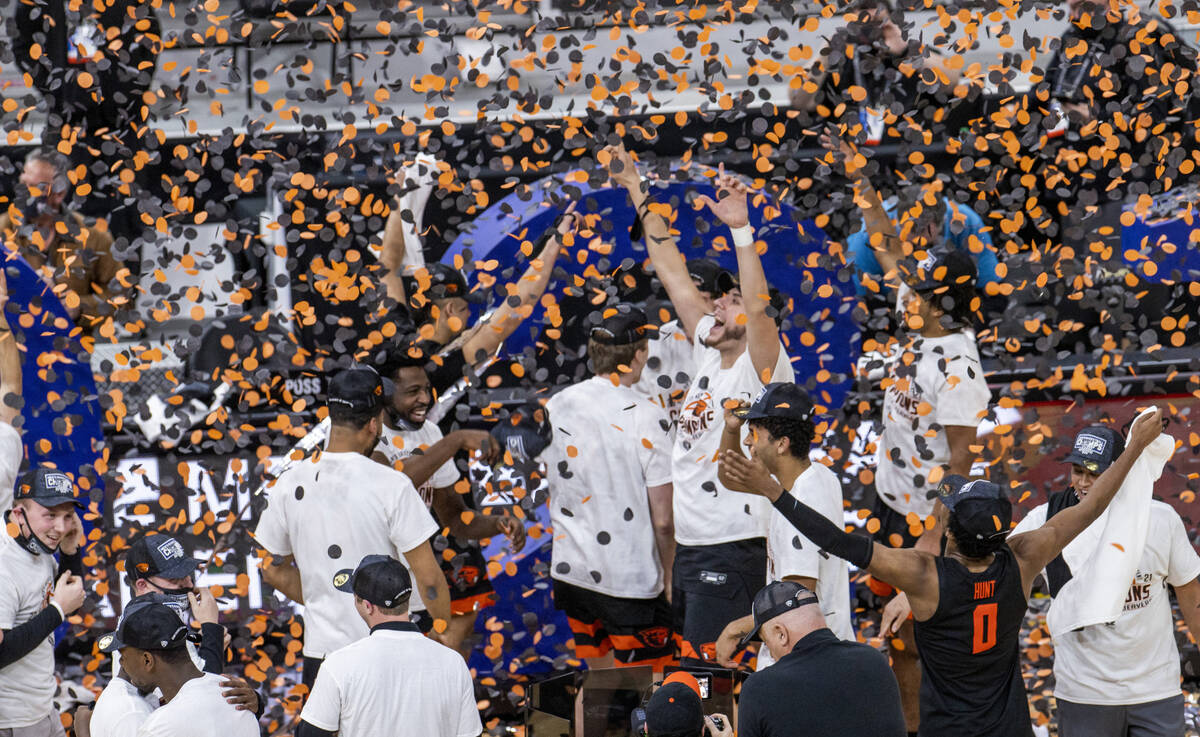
(654, 444)
(10, 604)
(1035, 519)
(701, 334)
(446, 475)
(1184, 566)
(469, 724)
(126, 726)
(11, 454)
(963, 398)
(410, 521)
(272, 532)
(323, 709)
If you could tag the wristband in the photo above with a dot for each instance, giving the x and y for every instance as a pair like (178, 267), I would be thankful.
(743, 236)
(61, 613)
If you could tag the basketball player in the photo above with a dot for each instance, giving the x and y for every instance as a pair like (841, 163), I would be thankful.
(969, 602)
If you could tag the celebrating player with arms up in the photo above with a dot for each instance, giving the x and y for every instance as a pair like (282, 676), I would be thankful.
(720, 559)
(969, 601)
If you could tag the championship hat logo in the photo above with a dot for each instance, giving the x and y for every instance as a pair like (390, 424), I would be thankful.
(341, 579)
(1090, 445)
(60, 483)
(104, 642)
(170, 548)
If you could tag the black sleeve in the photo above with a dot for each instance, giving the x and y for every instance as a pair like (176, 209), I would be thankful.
(212, 648)
(262, 704)
(72, 563)
(855, 549)
(307, 730)
(22, 639)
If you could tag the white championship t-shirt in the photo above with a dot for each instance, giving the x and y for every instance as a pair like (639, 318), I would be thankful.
(394, 683)
(610, 443)
(12, 452)
(944, 385)
(27, 686)
(1134, 660)
(789, 553)
(396, 445)
(199, 709)
(329, 513)
(669, 368)
(121, 710)
(706, 513)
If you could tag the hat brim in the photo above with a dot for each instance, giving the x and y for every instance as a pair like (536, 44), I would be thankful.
(110, 643)
(1091, 464)
(49, 502)
(181, 568)
(343, 580)
(748, 638)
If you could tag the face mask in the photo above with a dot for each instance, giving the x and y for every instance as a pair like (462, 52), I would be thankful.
(176, 600)
(30, 541)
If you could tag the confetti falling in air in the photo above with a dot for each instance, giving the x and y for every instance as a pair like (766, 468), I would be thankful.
(244, 181)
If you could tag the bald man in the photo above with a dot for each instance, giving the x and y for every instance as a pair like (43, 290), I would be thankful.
(817, 680)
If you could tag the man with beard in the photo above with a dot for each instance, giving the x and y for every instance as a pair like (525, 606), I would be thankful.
(72, 257)
(341, 506)
(416, 447)
(1121, 679)
(721, 553)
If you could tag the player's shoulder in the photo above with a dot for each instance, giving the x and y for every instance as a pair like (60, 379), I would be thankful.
(1163, 513)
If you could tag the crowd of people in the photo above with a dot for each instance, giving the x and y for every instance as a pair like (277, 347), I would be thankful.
(697, 523)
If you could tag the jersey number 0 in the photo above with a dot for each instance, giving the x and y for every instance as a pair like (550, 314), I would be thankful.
(984, 629)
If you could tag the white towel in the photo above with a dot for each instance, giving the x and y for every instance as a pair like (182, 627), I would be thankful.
(1104, 558)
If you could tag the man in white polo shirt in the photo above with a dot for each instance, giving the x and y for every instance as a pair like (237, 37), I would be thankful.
(152, 641)
(32, 605)
(780, 438)
(721, 550)
(609, 470)
(340, 505)
(1122, 679)
(395, 682)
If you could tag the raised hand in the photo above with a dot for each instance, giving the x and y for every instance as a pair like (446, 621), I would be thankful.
(569, 222)
(621, 167)
(1145, 429)
(204, 606)
(733, 422)
(731, 206)
(69, 593)
(749, 476)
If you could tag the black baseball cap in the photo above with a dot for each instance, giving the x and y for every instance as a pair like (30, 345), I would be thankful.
(623, 324)
(379, 579)
(982, 508)
(48, 487)
(360, 388)
(1096, 447)
(945, 268)
(674, 709)
(780, 399)
(778, 597)
(709, 276)
(525, 432)
(146, 625)
(436, 281)
(158, 555)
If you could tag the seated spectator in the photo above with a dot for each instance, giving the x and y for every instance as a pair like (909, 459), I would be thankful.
(73, 257)
(676, 710)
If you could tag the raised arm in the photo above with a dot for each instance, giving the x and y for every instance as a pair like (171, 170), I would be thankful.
(1036, 548)
(762, 332)
(489, 336)
(731, 440)
(668, 262)
(391, 255)
(881, 231)
(911, 571)
(10, 359)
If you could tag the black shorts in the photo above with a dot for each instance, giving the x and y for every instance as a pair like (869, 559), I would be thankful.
(712, 585)
(637, 631)
(894, 528)
(466, 574)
